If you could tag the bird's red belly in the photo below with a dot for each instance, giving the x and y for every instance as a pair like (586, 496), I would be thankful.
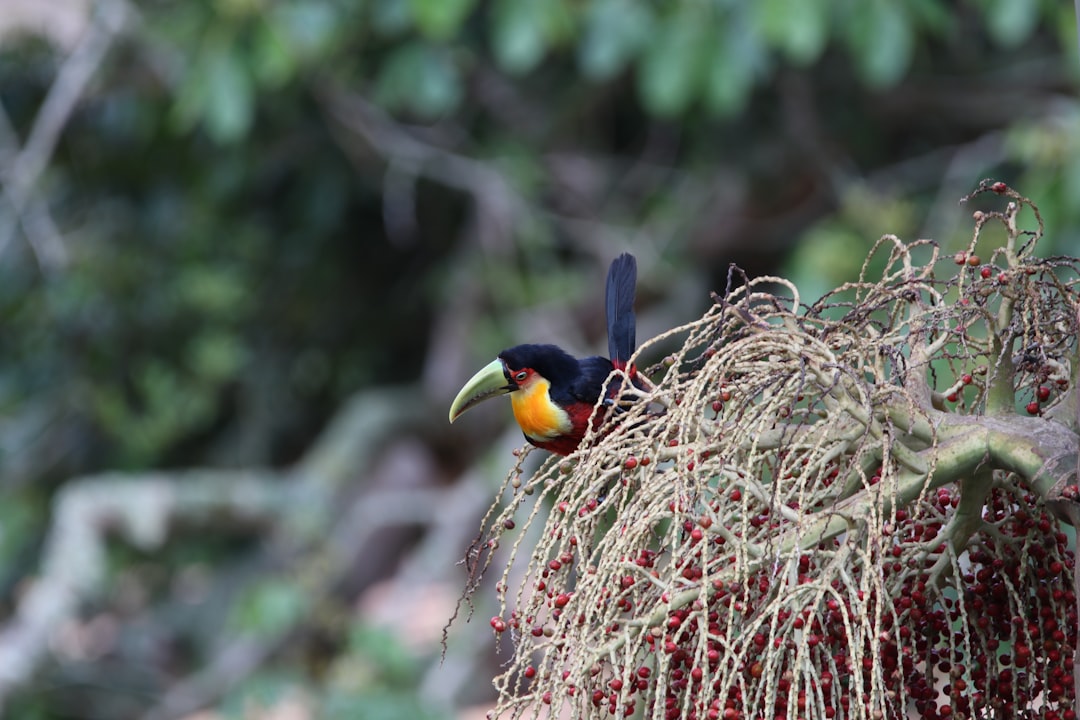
(560, 446)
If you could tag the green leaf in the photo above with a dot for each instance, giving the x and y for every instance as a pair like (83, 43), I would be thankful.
(1010, 22)
(799, 28)
(265, 689)
(829, 254)
(737, 61)
(215, 356)
(440, 19)
(519, 39)
(273, 62)
(931, 15)
(419, 78)
(390, 17)
(396, 664)
(377, 704)
(210, 291)
(881, 37)
(675, 63)
(230, 98)
(615, 32)
(309, 27)
(270, 607)
(18, 521)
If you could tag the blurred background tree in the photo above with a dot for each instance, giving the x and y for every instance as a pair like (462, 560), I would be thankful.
(222, 219)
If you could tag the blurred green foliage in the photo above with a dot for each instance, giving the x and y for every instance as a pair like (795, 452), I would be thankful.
(374, 681)
(239, 260)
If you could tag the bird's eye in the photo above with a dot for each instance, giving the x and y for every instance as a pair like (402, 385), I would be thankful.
(521, 375)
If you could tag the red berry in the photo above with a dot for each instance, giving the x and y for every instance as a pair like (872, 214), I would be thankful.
(973, 260)
(1043, 393)
(631, 463)
(498, 624)
(966, 379)
(999, 187)
(986, 272)
(1033, 407)
(960, 258)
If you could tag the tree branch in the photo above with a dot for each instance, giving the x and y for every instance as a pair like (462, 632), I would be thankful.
(143, 507)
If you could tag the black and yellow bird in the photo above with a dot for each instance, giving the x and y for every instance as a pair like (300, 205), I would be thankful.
(551, 392)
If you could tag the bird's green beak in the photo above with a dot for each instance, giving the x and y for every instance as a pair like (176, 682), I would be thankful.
(489, 382)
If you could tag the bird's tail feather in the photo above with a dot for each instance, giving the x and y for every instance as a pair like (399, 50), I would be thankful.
(621, 323)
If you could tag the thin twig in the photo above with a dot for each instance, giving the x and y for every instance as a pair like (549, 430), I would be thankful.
(21, 178)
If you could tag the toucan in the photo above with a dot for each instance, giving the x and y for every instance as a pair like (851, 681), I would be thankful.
(553, 393)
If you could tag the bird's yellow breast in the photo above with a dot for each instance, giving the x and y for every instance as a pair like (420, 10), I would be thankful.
(538, 416)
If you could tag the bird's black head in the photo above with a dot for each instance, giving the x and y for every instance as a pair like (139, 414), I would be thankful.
(550, 362)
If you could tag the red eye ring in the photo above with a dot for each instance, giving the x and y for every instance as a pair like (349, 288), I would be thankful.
(521, 375)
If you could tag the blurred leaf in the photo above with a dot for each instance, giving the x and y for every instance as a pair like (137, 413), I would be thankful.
(736, 63)
(236, 8)
(440, 19)
(170, 406)
(19, 520)
(419, 78)
(615, 32)
(376, 705)
(308, 26)
(519, 33)
(272, 61)
(827, 255)
(1062, 20)
(210, 290)
(374, 679)
(882, 39)
(260, 693)
(797, 27)
(933, 15)
(832, 251)
(1010, 22)
(230, 98)
(676, 60)
(1070, 183)
(269, 607)
(217, 92)
(390, 17)
(395, 664)
(215, 356)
